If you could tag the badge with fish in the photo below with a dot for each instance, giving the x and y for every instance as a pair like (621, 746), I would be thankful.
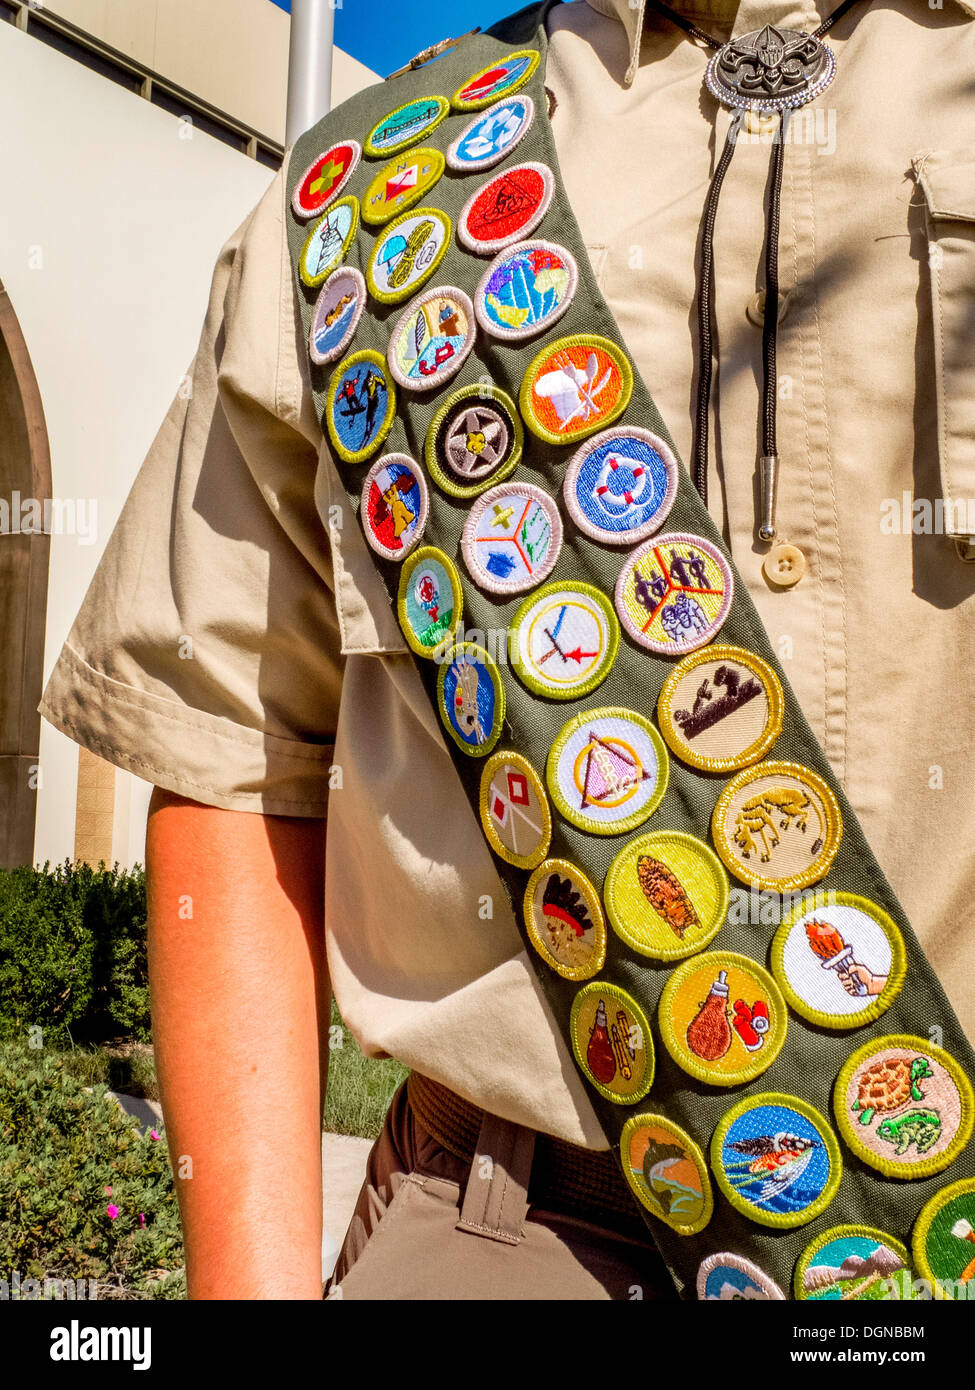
(667, 1172)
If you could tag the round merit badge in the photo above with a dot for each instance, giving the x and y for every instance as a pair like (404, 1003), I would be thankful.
(777, 826)
(430, 602)
(471, 698)
(722, 1018)
(325, 178)
(514, 809)
(328, 241)
(674, 593)
(475, 439)
(495, 80)
(506, 208)
(575, 386)
(621, 485)
(730, 1278)
(432, 339)
(840, 960)
(776, 1160)
(607, 770)
(405, 125)
(525, 290)
(337, 314)
(944, 1241)
(394, 505)
(401, 183)
(904, 1106)
(407, 253)
(565, 638)
(666, 894)
(667, 1172)
(360, 405)
(853, 1264)
(721, 709)
(611, 1041)
(564, 920)
(491, 135)
(512, 538)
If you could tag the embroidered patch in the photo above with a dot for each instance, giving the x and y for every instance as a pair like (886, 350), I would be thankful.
(401, 183)
(328, 242)
(491, 135)
(839, 959)
(674, 593)
(512, 538)
(730, 1278)
(777, 826)
(471, 698)
(432, 339)
(406, 125)
(574, 386)
(360, 405)
(496, 80)
(612, 1043)
(944, 1241)
(474, 440)
(853, 1264)
(394, 505)
(407, 253)
(564, 640)
(564, 920)
(621, 485)
(505, 209)
(525, 290)
(667, 1173)
(776, 1160)
(721, 709)
(904, 1106)
(337, 314)
(430, 602)
(666, 894)
(324, 179)
(607, 770)
(722, 1018)
(515, 813)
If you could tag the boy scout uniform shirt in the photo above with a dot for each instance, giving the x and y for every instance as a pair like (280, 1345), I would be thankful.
(236, 537)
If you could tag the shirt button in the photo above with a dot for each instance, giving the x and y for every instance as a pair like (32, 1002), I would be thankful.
(755, 308)
(761, 122)
(784, 566)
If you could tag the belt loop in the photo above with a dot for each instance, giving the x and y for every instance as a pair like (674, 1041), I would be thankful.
(496, 1199)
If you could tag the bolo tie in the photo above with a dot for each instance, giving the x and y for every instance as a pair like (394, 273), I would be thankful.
(769, 70)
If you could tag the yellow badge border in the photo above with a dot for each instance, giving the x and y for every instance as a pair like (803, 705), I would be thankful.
(588, 891)
(412, 562)
(497, 760)
(693, 1151)
(485, 391)
(638, 1017)
(377, 360)
(773, 690)
(315, 282)
(481, 103)
(679, 951)
(636, 818)
(838, 1233)
(590, 340)
(414, 287)
(445, 659)
(592, 682)
(443, 111)
(380, 218)
(922, 1228)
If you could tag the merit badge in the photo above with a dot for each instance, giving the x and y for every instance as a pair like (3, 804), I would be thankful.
(721, 709)
(722, 1018)
(730, 1278)
(839, 959)
(667, 1172)
(904, 1106)
(666, 894)
(360, 405)
(853, 1264)
(474, 440)
(507, 208)
(777, 826)
(325, 178)
(565, 638)
(495, 80)
(515, 812)
(471, 698)
(621, 485)
(430, 601)
(674, 593)
(525, 290)
(432, 339)
(407, 253)
(401, 183)
(337, 314)
(512, 538)
(776, 1160)
(491, 135)
(405, 125)
(612, 1043)
(329, 241)
(944, 1241)
(607, 770)
(575, 386)
(394, 505)
(564, 920)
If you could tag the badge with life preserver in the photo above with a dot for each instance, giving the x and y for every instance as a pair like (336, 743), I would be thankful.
(564, 920)
(406, 254)
(730, 1278)
(607, 770)
(575, 386)
(496, 80)
(525, 290)
(721, 709)
(612, 1043)
(325, 178)
(474, 441)
(360, 405)
(666, 894)
(944, 1241)
(401, 183)
(564, 640)
(674, 593)
(667, 1173)
(512, 538)
(505, 209)
(328, 241)
(853, 1264)
(394, 505)
(620, 486)
(491, 135)
(514, 808)
(430, 602)
(777, 826)
(405, 125)
(337, 314)
(471, 698)
(432, 339)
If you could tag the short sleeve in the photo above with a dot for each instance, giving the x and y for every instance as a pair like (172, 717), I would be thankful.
(206, 655)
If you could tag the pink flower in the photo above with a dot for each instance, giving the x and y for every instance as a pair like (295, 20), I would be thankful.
(142, 1219)
(108, 1192)
(112, 1211)
(153, 1134)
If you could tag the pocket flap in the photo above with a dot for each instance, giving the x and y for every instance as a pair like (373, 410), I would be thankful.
(947, 179)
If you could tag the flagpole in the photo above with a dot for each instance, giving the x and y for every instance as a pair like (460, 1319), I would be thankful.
(309, 65)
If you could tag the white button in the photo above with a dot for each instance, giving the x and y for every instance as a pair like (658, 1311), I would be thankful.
(784, 566)
(762, 122)
(755, 308)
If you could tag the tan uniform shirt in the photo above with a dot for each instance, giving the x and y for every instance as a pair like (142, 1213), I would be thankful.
(233, 629)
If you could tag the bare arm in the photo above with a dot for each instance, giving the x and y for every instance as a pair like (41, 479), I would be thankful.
(240, 1023)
